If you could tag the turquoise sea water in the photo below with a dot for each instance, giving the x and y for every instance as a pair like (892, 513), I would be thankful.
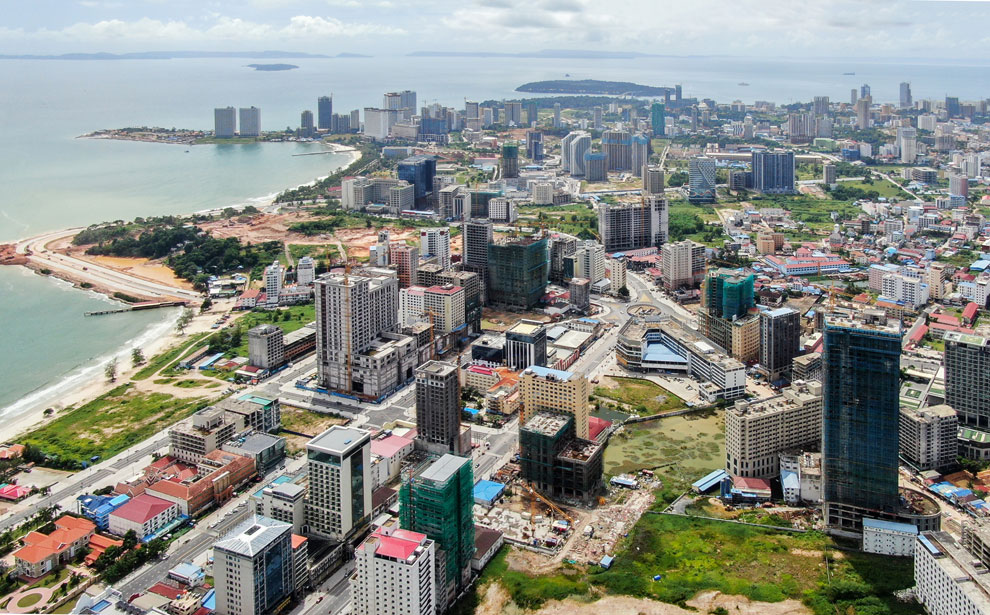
(52, 180)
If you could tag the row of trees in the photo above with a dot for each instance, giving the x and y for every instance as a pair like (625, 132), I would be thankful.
(118, 562)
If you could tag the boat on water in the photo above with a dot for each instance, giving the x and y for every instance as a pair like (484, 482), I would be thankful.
(848, 73)
(743, 83)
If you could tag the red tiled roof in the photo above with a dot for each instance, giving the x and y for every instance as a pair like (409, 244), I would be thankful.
(298, 540)
(388, 447)
(970, 310)
(919, 333)
(166, 590)
(947, 319)
(399, 547)
(143, 508)
(596, 426)
(39, 546)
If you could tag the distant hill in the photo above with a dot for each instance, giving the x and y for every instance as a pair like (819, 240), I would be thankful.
(582, 54)
(592, 86)
(272, 66)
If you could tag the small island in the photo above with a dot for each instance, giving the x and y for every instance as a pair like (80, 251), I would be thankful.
(272, 66)
(592, 86)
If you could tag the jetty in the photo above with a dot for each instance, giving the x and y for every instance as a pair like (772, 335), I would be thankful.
(150, 305)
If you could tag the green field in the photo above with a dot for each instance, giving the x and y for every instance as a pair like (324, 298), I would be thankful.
(110, 423)
(881, 186)
(298, 251)
(299, 316)
(572, 219)
(641, 397)
(681, 448)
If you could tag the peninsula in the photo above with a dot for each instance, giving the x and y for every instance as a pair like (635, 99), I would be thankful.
(592, 86)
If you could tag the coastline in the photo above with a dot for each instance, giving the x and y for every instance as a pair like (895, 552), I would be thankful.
(86, 382)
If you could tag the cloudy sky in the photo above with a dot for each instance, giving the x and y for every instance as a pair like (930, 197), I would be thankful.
(856, 28)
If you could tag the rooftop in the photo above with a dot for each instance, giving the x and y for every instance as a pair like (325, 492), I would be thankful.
(253, 535)
(880, 524)
(143, 508)
(525, 327)
(547, 373)
(959, 565)
(437, 368)
(444, 468)
(339, 439)
(546, 423)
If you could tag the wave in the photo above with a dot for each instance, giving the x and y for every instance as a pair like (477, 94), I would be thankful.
(47, 395)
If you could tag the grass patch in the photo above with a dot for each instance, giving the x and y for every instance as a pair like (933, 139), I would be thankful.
(881, 186)
(52, 580)
(29, 600)
(316, 251)
(695, 555)
(110, 423)
(159, 361)
(306, 421)
(532, 592)
(298, 316)
(642, 396)
(191, 384)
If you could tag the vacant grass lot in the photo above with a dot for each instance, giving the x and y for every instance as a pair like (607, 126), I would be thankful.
(681, 448)
(298, 317)
(883, 187)
(110, 423)
(642, 396)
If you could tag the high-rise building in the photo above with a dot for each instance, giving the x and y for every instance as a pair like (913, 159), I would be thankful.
(552, 390)
(532, 114)
(820, 105)
(617, 274)
(395, 573)
(510, 160)
(908, 144)
(653, 180)
(580, 293)
(526, 344)
(658, 119)
(224, 122)
(556, 115)
(476, 235)
(338, 506)
(513, 114)
(829, 174)
(864, 91)
(967, 378)
(266, 347)
(628, 226)
(471, 110)
(534, 145)
(351, 312)
(863, 112)
(438, 408)
(578, 144)
(773, 172)
(253, 567)
(906, 102)
(853, 96)
(861, 418)
(306, 127)
(640, 154)
(555, 461)
(780, 341)
(757, 432)
(324, 113)
(726, 318)
(250, 119)
(517, 272)
(617, 146)
(274, 274)
(419, 171)
(952, 108)
(595, 166)
(378, 123)
(561, 246)
(959, 185)
(405, 259)
(435, 241)
(589, 261)
(701, 180)
(951, 577)
(438, 502)
(929, 437)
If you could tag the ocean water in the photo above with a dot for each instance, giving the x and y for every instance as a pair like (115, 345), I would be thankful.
(52, 180)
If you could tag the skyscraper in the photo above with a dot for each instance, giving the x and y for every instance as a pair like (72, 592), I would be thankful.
(864, 91)
(617, 145)
(653, 180)
(306, 127)
(780, 340)
(967, 378)
(628, 226)
(682, 264)
(273, 281)
(407, 560)
(517, 272)
(513, 114)
(253, 567)
(861, 420)
(534, 145)
(863, 112)
(338, 505)
(526, 344)
(438, 408)
(640, 154)
(476, 235)
(435, 241)
(595, 166)
(510, 160)
(658, 119)
(820, 105)
(952, 106)
(324, 112)
(406, 261)
(773, 172)
(419, 171)
(906, 101)
(250, 118)
(224, 122)
(701, 176)
(853, 96)
(556, 115)
(907, 141)
(438, 502)
(532, 114)
(597, 117)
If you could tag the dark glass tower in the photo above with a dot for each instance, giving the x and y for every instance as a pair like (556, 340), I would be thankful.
(860, 431)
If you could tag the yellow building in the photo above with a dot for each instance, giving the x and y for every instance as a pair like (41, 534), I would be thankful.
(746, 339)
(554, 390)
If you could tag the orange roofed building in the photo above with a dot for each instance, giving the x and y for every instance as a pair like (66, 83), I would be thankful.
(43, 553)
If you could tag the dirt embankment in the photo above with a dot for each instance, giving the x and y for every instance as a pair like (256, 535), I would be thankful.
(705, 602)
(9, 255)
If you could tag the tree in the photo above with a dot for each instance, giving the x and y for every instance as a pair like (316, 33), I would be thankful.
(137, 357)
(207, 304)
(184, 319)
(130, 539)
(624, 292)
(110, 371)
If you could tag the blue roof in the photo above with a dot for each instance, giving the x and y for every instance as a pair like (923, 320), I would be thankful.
(789, 479)
(185, 569)
(980, 265)
(471, 411)
(880, 524)
(210, 601)
(543, 372)
(928, 545)
(709, 481)
(488, 490)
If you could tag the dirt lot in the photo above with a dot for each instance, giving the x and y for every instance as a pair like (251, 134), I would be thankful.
(497, 320)
(140, 267)
(704, 602)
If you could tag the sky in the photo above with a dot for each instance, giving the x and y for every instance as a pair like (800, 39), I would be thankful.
(937, 29)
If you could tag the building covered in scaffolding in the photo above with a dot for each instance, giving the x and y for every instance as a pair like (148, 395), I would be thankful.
(555, 461)
(438, 501)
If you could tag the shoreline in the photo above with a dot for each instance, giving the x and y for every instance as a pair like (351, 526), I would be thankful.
(85, 382)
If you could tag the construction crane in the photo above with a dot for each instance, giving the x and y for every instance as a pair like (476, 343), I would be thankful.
(553, 507)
